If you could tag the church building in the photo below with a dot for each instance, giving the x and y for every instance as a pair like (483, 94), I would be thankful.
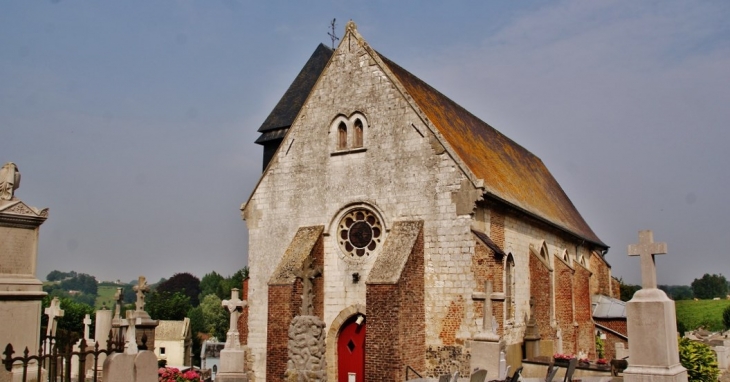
(411, 208)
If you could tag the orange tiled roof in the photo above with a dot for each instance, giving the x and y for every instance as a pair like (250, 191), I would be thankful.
(510, 172)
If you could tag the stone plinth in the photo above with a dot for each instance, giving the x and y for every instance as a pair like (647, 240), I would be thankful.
(20, 291)
(231, 365)
(653, 345)
(307, 350)
(485, 355)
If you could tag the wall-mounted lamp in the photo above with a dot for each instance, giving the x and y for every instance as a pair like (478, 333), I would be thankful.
(355, 277)
(360, 319)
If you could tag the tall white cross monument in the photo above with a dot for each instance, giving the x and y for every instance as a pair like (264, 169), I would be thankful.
(233, 355)
(652, 323)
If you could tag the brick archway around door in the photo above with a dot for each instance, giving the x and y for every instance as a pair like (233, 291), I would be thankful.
(331, 340)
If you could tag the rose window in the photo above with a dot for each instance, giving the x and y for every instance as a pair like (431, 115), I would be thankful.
(359, 233)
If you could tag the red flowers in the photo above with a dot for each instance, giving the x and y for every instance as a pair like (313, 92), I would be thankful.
(171, 374)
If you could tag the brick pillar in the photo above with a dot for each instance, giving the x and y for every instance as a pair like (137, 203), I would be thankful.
(243, 318)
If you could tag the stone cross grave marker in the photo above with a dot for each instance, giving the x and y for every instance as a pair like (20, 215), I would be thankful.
(130, 337)
(487, 309)
(307, 274)
(118, 299)
(53, 312)
(647, 248)
(141, 288)
(234, 307)
(87, 323)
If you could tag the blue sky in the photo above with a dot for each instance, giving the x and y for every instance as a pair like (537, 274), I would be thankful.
(134, 121)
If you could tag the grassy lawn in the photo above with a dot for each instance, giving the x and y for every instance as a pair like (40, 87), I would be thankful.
(105, 294)
(707, 313)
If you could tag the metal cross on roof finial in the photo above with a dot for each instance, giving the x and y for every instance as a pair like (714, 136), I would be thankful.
(332, 34)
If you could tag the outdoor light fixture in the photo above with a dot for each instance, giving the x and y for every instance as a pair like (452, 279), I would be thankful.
(355, 277)
(360, 319)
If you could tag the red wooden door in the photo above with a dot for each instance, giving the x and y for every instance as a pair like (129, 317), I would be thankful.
(351, 352)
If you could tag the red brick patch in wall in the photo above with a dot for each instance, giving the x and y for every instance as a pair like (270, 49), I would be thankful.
(486, 266)
(451, 323)
(242, 323)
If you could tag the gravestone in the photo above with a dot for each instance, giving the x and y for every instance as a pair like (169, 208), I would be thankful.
(233, 355)
(89, 343)
(306, 348)
(651, 322)
(102, 328)
(485, 345)
(20, 291)
(145, 325)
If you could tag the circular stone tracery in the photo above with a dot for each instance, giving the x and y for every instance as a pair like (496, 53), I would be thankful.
(359, 233)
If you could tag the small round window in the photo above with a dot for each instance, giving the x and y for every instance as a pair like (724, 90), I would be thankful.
(359, 233)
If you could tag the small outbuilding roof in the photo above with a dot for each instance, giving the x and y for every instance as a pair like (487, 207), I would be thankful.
(607, 307)
(173, 330)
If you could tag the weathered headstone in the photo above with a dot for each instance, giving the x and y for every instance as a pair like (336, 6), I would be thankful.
(89, 344)
(20, 291)
(651, 322)
(306, 351)
(102, 327)
(232, 357)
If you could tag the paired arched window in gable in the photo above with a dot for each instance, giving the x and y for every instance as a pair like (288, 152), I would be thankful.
(350, 133)
(357, 133)
(342, 136)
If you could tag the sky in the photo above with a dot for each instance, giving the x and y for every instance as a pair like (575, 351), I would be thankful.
(134, 121)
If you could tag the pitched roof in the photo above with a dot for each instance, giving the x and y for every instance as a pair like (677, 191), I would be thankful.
(607, 307)
(172, 330)
(510, 172)
(283, 114)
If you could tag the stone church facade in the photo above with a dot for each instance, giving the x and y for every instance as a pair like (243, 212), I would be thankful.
(408, 204)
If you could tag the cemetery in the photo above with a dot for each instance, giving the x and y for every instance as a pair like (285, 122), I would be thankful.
(357, 275)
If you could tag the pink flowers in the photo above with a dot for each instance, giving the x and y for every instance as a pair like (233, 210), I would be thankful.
(171, 374)
(564, 357)
(601, 361)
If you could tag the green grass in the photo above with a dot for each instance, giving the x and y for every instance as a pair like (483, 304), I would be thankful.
(707, 313)
(105, 294)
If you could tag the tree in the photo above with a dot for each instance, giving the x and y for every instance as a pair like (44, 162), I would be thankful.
(211, 284)
(184, 283)
(726, 318)
(710, 286)
(215, 317)
(197, 326)
(627, 290)
(163, 305)
(678, 292)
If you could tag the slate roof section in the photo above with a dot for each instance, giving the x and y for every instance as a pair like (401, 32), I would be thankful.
(488, 242)
(510, 172)
(299, 248)
(607, 307)
(292, 101)
(397, 248)
(172, 330)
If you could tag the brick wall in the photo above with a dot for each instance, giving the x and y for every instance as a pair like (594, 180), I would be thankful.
(485, 266)
(564, 303)
(396, 332)
(609, 344)
(540, 289)
(242, 323)
(601, 281)
(284, 304)
(583, 314)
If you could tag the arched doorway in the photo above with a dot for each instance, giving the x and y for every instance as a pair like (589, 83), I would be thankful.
(351, 350)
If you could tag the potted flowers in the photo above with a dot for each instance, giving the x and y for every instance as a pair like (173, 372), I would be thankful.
(602, 363)
(562, 359)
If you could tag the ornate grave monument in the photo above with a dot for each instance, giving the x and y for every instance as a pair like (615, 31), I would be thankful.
(233, 354)
(651, 322)
(306, 334)
(145, 326)
(20, 291)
